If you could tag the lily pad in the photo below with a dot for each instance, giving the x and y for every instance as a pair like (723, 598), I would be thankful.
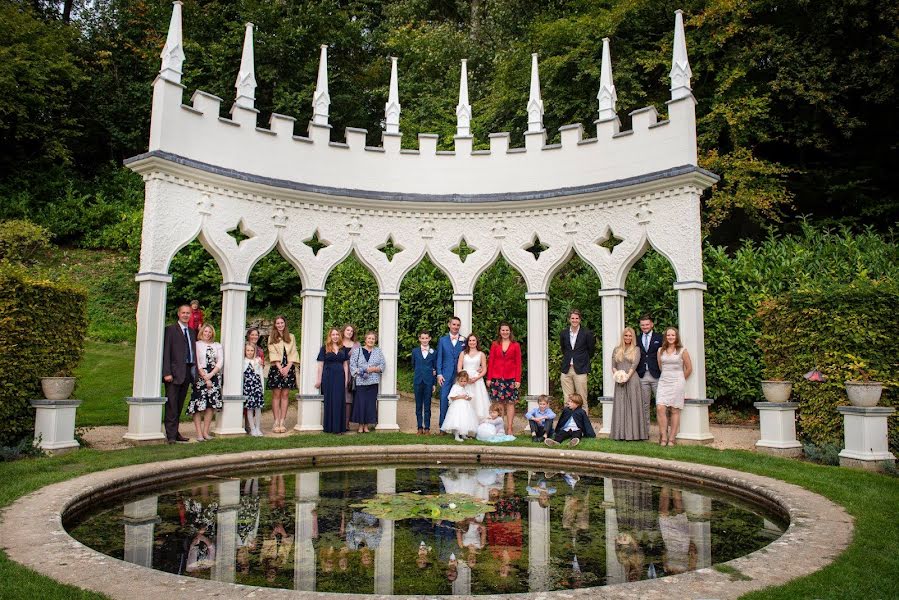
(409, 505)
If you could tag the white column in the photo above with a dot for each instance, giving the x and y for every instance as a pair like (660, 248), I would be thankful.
(226, 531)
(140, 522)
(691, 323)
(612, 326)
(232, 332)
(865, 440)
(388, 321)
(614, 569)
(384, 552)
(146, 404)
(699, 513)
(310, 400)
(695, 415)
(307, 488)
(463, 308)
(538, 346)
(538, 546)
(777, 422)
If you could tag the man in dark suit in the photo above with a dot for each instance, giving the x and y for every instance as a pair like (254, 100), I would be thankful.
(424, 365)
(448, 349)
(578, 345)
(178, 370)
(649, 371)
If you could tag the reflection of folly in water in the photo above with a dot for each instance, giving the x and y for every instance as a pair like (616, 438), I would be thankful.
(629, 507)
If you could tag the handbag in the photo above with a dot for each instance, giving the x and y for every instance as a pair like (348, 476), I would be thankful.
(352, 386)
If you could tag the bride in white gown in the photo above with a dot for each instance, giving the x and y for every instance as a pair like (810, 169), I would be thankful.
(474, 362)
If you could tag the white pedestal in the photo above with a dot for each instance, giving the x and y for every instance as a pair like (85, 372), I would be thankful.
(226, 531)
(605, 428)
(865, 437)
(694, 422)
(229, 422)
(145, 420)
(777, 421)
(54, 424)
(140, 520)
(309, 412)
(387, 406)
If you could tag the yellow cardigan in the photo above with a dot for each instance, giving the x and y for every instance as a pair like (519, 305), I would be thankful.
(276, 351)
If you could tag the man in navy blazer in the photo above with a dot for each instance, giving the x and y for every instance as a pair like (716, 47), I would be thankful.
(649, 370)
(578, 345)
(448, 349)
(424, 365)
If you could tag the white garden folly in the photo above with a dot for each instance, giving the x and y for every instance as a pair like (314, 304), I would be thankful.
(207, 175)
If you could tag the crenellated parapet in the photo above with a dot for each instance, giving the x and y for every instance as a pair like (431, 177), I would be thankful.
(280, 151)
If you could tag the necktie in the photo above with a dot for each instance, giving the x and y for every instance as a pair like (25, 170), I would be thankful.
(189, 355)
(646, 342)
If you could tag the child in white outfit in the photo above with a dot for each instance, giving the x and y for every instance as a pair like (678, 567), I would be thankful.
(460, 418)
(493, 429)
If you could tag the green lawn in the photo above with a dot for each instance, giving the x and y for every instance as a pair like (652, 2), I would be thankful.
(866, 571)
(104, 380)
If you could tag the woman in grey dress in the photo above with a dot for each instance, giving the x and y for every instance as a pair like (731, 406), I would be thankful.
(627, 409)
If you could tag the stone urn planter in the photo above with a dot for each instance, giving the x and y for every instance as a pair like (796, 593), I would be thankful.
(57, 388)
(776, 390)
(864, 393)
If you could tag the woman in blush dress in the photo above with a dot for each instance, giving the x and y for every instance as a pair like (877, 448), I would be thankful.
(332, 377)
(676, 367)
(474, 362)
(504, 373)
(627, 409)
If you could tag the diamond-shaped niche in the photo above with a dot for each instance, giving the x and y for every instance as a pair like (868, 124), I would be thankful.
(462, 250)
(316, 243)
(390, 249)
(537, 247)
(608, 240)
(241, 233)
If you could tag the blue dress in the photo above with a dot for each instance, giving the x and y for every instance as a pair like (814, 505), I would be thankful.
(333, 389)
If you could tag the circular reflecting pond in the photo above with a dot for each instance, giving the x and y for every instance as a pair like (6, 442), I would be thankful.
(427, 530)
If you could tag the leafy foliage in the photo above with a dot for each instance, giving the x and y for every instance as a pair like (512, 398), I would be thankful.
(23, 242)
(409, 505)
(833, 329)
(42, 328)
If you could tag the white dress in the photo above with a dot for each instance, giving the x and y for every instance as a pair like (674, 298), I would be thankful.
(460, 417)
(671, 387)
(480, 399)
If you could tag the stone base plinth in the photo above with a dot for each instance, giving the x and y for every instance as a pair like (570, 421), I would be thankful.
(54, 424)
(694, 422)
(777, 421)
(309, 413)
(229, 421)
(145, 421)
(865, 442)
(387, 412)
(606, 428)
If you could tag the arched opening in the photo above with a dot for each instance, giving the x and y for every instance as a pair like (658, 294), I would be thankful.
(352, 297)
(575, 286)
(196, 276)
(650, 290)
(499, 295)
(426, 302)
(274, 291)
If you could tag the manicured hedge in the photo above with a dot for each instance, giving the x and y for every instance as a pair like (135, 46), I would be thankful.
(42, 329)
(842, 331)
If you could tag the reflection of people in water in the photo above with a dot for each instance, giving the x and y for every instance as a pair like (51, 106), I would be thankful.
(278, 546)
(576, 515)
(504, 527)
(423, 560)
(680, 551)
(472, 539)
(542, 492)
(630, 555)
(201, 555)
(247, 524)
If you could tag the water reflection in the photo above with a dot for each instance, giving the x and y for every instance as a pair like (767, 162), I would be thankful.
(548, 531)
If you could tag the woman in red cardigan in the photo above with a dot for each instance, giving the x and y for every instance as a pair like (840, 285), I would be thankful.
(504, 372)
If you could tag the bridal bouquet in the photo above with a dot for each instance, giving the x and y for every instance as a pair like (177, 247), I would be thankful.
(621, 376)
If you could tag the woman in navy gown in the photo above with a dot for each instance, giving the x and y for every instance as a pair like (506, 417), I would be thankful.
(332, 378)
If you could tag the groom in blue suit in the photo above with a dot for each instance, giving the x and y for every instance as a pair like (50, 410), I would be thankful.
(448, 349)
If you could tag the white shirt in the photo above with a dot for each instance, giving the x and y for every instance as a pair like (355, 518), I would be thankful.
(424, 351)
(572, 338)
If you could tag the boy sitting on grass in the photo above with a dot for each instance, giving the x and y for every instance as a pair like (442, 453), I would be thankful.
(573, 424)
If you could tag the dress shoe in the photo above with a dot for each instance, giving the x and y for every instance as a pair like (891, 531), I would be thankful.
(170, 442)
(420, 431)
(181, 438)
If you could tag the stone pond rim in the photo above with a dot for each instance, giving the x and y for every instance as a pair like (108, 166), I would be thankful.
(32, 533)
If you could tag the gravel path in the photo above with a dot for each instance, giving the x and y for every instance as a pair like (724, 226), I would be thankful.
(110, 437)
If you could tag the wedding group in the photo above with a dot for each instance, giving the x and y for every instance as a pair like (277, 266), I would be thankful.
(478, 390)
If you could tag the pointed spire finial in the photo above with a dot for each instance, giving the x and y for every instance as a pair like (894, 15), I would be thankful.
(535, 103)
(173, 52)
(463, 109)
(680, 65)
(392, 108)
(606, 96)
(321, 100)
(246, 77)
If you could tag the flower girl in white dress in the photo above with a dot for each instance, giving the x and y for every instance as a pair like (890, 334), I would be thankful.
(474, 362)
(460, 418)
